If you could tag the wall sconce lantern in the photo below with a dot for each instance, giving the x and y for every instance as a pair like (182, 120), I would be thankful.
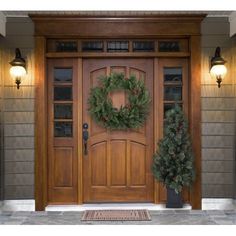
(218, 69)
(18, 67)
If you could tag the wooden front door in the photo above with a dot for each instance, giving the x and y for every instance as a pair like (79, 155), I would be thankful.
(117, 167)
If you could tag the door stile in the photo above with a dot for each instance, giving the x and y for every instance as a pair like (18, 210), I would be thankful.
(156, 105)
(80, 130)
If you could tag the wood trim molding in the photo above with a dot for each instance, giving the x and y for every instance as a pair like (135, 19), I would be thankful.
(40, 125)
(116, 54)
(121, 17)
(195, 117)
(126, 26)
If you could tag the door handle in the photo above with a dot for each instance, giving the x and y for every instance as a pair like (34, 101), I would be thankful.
(85, 138)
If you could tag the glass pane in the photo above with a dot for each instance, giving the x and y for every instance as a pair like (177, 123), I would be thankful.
(63, 75)
(118, 46)
(172, 74)
(169, 46)
(143, 46)
(70, 46)
(168, 106)
(172, 93)
(92, 46)
(62, 93)
(62, 129)
(63, 111)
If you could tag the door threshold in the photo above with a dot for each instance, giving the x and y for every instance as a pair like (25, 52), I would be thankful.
(113, 206)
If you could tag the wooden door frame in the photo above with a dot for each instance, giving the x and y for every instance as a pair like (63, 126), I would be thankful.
(54, 26)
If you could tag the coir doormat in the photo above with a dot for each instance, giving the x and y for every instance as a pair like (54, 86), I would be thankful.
(116, 215)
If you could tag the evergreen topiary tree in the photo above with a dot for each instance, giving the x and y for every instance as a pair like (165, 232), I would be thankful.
(173, 161)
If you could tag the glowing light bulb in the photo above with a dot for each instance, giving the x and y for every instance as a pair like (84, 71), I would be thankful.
(218, 71)
(17, 71)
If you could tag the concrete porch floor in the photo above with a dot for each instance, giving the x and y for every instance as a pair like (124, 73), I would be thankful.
(215, 211)
(168, 217)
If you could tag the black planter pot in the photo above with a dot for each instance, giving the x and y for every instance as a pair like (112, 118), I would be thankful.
(174, 200)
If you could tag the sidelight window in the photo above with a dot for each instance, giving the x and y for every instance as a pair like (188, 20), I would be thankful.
(63, 102)
(173, 87)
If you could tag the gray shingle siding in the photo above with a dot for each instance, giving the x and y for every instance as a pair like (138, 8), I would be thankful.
(218, 114)
(18, 114)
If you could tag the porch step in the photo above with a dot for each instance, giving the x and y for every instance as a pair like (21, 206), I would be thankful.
(29, 205)
(106, 206)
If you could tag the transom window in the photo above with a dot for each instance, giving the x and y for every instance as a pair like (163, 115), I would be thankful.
(117, 45)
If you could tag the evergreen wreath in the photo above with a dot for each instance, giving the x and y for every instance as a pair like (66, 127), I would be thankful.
(130, 116)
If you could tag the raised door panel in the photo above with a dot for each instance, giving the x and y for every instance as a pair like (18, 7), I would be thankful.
(63, 161)
(118, 153)
(99, 164)
(95, 129)
(140, 75)
(137, 164)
